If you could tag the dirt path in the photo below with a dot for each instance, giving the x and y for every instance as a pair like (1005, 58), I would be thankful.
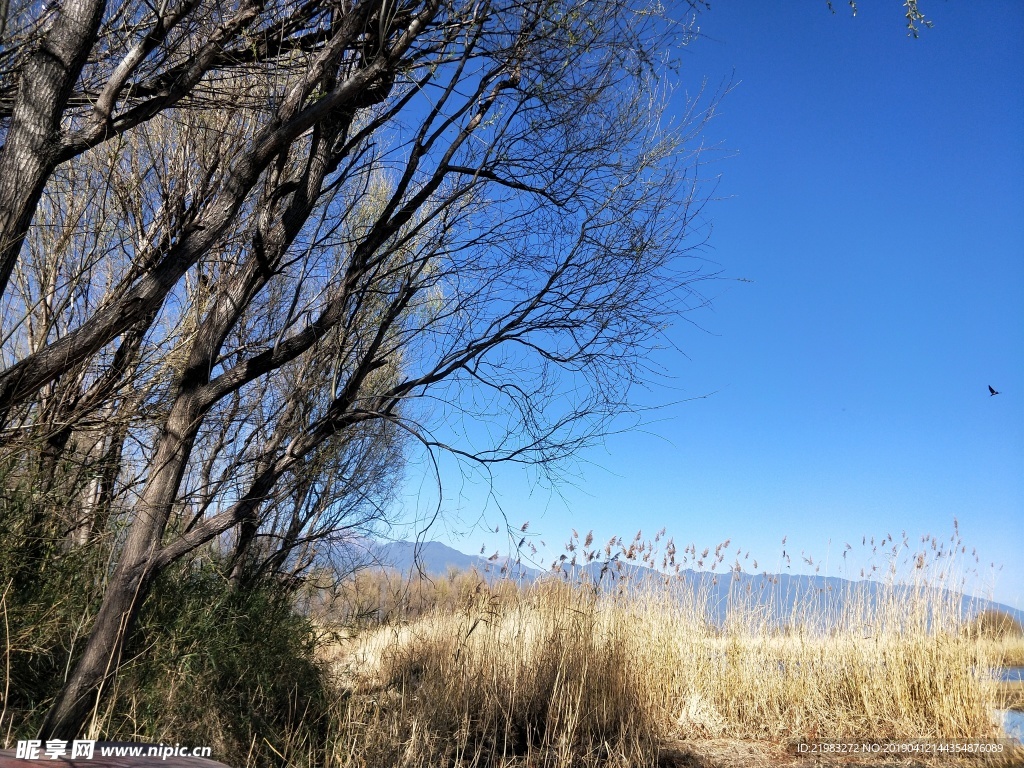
(727, 753)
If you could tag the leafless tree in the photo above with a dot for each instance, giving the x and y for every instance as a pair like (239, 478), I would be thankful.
(249, 250)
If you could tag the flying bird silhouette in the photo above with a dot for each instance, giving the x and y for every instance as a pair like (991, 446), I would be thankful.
(991, 391)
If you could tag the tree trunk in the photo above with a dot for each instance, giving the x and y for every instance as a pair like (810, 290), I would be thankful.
(31, 150)
(128, 587)
(131, 580)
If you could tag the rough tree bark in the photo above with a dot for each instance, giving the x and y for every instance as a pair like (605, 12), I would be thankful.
(32, 147)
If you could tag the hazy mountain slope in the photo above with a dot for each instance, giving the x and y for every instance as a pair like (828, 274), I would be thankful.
(785, 597)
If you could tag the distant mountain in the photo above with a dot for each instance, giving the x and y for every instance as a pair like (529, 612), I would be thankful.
(432, 557)
(435, 560)
(779, 596)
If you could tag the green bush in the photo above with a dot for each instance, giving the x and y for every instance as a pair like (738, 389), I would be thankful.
(50, 592)
(231, 669)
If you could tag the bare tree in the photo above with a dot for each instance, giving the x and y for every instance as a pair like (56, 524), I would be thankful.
(251, 250)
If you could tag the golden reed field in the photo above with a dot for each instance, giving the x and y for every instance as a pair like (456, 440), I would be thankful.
(564, 672)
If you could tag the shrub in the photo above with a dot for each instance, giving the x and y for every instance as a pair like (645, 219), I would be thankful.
(233, 669)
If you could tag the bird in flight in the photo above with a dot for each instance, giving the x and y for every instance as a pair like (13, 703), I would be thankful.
(991, 391)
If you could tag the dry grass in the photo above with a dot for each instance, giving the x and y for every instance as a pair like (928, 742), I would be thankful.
(566, 674)
(546, 671)
(1006, 651)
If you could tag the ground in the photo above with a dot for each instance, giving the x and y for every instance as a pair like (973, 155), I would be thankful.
(726, 753)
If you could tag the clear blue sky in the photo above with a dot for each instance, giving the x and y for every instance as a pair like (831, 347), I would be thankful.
(872, 188)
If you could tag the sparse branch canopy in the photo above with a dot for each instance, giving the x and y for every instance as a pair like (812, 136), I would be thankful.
(256, 249)
(913, 14)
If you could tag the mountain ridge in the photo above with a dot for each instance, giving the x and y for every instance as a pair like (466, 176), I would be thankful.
(782, 593)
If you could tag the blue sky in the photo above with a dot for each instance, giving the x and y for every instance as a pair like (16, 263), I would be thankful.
(872, 189)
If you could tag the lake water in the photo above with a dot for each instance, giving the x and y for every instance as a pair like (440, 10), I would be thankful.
(1013, 722)
(1011, 674)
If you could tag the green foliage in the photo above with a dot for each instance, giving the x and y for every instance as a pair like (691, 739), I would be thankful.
(232, 669)
(49, 593)
(209, 664)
